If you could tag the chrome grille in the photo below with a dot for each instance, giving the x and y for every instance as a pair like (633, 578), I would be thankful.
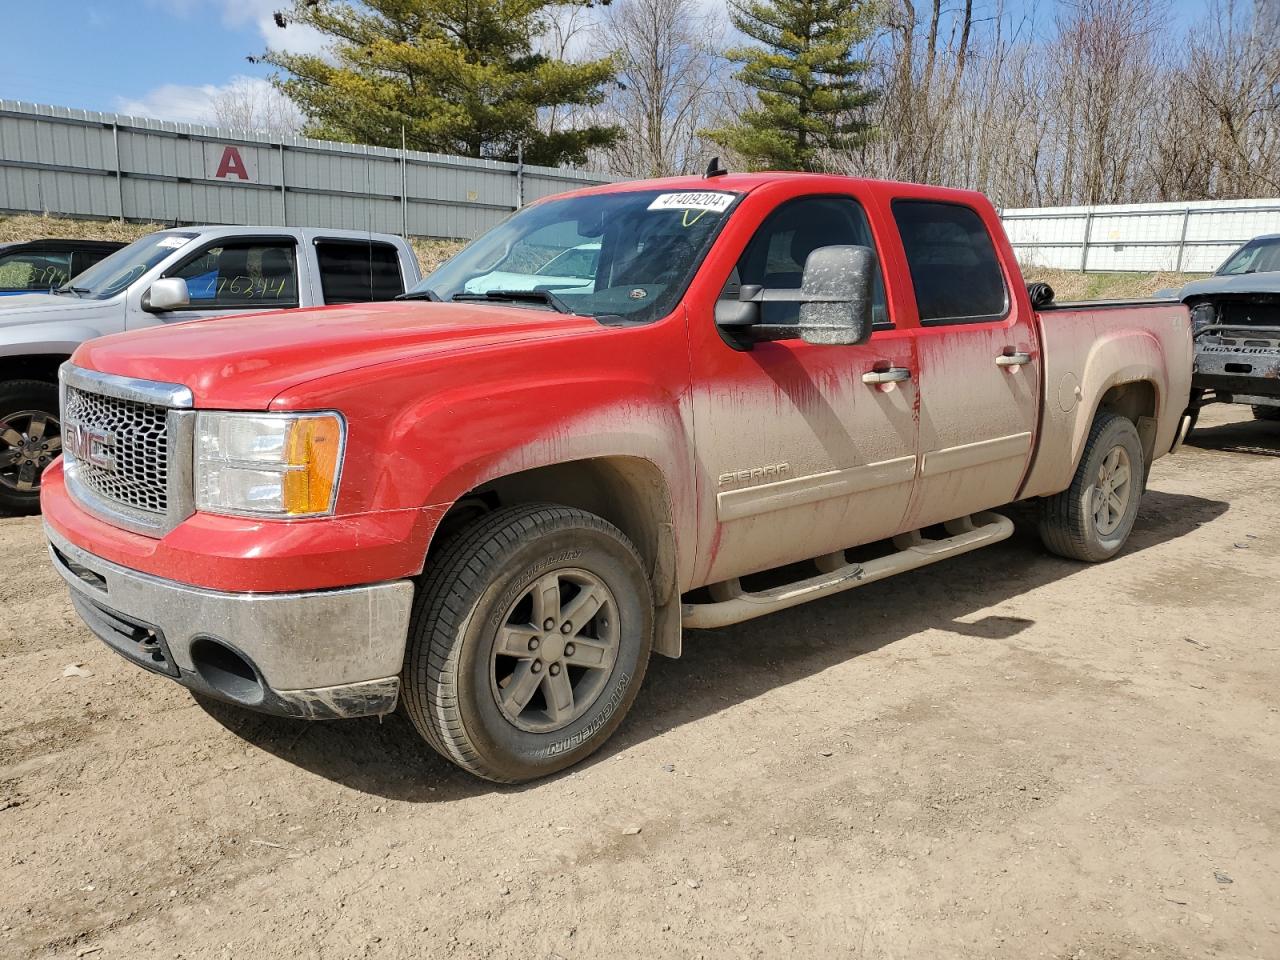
(136, 468)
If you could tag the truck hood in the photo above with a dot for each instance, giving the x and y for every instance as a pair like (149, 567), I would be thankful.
(42, 307)
(243, 362)
(1241, 283)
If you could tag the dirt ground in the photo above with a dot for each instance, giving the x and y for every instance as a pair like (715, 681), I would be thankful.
(1006, 755)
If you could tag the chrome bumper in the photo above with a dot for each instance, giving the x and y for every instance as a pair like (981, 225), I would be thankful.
(327, 654)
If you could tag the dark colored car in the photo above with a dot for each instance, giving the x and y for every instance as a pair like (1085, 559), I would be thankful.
(1236, 318)
(38, 266)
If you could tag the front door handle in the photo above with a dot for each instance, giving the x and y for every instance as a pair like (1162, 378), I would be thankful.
(892, 375)
(1013, 359)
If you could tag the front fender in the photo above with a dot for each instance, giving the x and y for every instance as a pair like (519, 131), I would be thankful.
(42, 340)
(425, 432)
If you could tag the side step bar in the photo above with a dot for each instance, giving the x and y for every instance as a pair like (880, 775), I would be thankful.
(731, 604)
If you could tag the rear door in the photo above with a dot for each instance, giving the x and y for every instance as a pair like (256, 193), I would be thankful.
(979, 362)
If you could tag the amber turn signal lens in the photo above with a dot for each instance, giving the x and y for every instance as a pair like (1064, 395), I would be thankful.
(312, 452)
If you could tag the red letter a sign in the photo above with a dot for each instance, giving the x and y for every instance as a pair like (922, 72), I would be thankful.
(231, 165)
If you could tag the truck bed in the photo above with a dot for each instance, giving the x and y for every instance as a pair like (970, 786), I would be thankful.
(1087, 353)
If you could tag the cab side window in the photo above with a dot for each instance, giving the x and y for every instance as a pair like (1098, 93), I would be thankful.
(243, 274)
(356, 272)
(775, 256)
(953, 263)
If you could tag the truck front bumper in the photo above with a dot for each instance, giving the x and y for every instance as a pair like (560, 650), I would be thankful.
(320, 655)
(1243, 370)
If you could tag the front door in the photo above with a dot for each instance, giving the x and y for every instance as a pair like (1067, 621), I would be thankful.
(236, 275)
(799, 455)
(979, 364)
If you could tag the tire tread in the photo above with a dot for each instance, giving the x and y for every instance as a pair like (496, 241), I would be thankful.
(453, 579)
(1062, 519)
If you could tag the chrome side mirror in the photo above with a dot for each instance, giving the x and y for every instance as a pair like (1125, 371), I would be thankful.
(168, 293)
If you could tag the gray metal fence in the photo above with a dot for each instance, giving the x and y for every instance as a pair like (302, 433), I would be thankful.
(1192, 237)
(79, 163)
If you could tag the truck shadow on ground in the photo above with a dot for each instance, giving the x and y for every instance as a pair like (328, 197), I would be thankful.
(1260, 437)
(722, 668)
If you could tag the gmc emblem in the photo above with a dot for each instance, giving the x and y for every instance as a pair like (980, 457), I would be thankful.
(92, 446)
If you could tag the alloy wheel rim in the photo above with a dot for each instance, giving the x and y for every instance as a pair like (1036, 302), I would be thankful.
(30, 440)
(1112, 491)
(554, 650)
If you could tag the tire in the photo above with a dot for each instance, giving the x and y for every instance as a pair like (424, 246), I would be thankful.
(1266, 413)
(30, 439)
(496, 714)
(1069, 525)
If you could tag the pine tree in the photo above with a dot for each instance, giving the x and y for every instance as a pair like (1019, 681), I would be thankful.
(459, 76)
(808, 80)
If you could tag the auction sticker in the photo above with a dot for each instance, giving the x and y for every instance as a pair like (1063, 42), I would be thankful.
(719, 202)
(173, 243)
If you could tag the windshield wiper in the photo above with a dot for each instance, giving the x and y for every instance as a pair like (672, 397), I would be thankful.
(421, 295)
(68, 288)
(515, 296)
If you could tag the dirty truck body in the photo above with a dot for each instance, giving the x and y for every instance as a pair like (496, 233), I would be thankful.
(492, 508)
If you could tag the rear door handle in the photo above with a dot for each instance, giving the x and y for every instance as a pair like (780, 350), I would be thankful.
(1013, 359)
(892, 375)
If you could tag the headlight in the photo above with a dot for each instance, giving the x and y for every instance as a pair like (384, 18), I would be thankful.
(268, 464)
(1203, 314)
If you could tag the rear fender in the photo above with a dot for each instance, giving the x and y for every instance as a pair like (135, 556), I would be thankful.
(1075, 392)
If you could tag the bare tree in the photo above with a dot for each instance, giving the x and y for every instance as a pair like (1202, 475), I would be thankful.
(1220, 133)
(667, 83)
(251, 104)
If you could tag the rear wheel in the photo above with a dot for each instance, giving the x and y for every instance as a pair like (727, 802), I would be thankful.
(1092, 519)
(30, 439)
(530, 637)
(1266, 413)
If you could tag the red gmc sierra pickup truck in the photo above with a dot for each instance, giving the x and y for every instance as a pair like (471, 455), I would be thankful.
(624, 412)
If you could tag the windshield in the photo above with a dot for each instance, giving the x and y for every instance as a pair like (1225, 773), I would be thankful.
(627, 254)
(1256, 256)
(108, 277)
(38, 270)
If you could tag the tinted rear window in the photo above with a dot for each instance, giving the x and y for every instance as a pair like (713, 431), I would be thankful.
(355, 272)
(954, 269)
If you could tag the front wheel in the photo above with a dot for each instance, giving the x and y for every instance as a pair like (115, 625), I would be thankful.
(29, 441)
(530, 637)
(1266, 413)
(1092, 518)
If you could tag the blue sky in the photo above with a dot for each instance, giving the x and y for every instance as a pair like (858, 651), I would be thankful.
(166, 58)
(149, 57)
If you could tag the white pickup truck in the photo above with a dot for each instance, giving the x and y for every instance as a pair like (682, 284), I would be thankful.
(174, 275)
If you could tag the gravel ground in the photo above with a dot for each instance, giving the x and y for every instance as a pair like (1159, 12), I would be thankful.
(1005, 755)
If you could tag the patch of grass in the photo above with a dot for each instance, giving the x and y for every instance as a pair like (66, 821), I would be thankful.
(1073, 285)
(432, 253)
(30, 227)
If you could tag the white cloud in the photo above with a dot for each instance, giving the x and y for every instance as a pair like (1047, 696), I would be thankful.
(242, 102)
(238, 14)
(173, 101)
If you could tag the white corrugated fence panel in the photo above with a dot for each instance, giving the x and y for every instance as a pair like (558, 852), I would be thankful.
(65, 162)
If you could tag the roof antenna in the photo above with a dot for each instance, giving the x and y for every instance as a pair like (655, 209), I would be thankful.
(715, 169)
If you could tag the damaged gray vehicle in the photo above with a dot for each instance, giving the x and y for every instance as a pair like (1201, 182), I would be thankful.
(1235, 317)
